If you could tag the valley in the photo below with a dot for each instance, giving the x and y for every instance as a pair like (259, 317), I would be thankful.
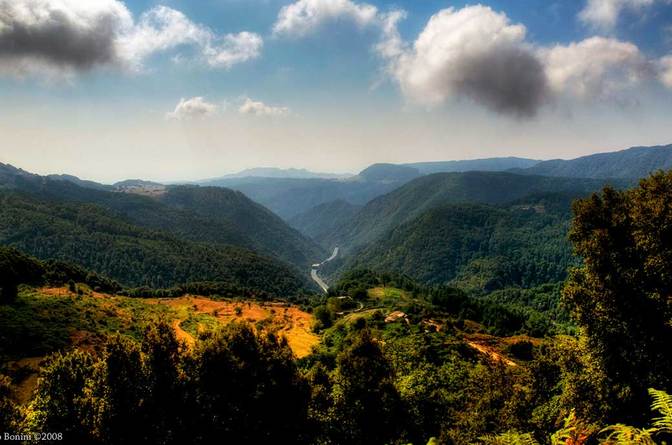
(439, 295)
(316, 267)
(335, 222)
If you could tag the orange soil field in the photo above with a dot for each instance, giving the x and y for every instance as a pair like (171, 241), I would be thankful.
(286, 320)
(280, 318)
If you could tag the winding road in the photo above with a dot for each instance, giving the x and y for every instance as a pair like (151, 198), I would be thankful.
(313, 272)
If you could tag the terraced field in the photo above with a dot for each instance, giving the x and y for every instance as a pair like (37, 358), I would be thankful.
(45, 320)
(196, 313)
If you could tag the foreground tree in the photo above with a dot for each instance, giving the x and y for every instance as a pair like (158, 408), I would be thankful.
(9, 414)
(62, 401)
(622, 295)
(15, 269)
(122, 390)
(367, 408)
(247, 389)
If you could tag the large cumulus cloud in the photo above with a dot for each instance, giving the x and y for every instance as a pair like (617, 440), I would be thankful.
(63, 37)
(596, 68)
(477, 53)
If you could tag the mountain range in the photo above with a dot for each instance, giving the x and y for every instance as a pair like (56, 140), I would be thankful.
(503, 222)
(290, 197)
(633, 163)
(179, 233)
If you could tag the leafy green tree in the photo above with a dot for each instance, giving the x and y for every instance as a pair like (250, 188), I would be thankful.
(367, 407)
(9, 414)
(15, 269)
(621, 295)
(166, 391)
(62, 402)
(324, 318)
(248, 389)
(359, 293)
(123, 392)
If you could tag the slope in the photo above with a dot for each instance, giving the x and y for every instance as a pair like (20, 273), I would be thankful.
(212, 215)
(427, 192)
(321, 220)
(633, 163)
(478, 246)
(97, 239)
(488, 164)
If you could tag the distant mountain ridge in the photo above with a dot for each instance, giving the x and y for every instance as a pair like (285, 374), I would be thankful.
(272, 172)
(632, 163)
(426, 192)
(291, 197)
(484, 165)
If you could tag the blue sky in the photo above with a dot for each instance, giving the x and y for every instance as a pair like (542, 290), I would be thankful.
(213, 86)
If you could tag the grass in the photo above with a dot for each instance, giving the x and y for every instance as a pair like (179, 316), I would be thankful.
(45, 320)
(200, 313)
(389, 296)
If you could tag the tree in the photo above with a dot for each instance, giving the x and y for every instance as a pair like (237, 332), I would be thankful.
(9, 413)
(620, 297)
(15, 269)
(123, 392)
(166, 392)
(367, 406)
(62, 402)
(248, 389)
(323, 317)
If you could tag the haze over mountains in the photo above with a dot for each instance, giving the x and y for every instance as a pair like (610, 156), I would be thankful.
(431, 221)
(290, 196)
(633, 163)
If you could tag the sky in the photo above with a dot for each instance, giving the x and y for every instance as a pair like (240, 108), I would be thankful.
(183, 90)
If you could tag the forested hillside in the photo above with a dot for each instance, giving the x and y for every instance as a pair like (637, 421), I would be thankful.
(478, 246)
(427, 192)
(322, 220)
(633, 163)
(266, 231)
(102, 241)
(212, 215)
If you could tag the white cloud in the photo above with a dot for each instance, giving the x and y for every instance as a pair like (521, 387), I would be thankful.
(194, 108)
(64, 37)
(163, 28)
(665, 66)
(596, 68)
(257, 108)
(233, 49)
(391, 44)
(304, 16)
(604, 14)
(478, 53)
(472, 52)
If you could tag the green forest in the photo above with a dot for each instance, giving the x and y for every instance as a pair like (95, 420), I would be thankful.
(399, 361)
(97, 239)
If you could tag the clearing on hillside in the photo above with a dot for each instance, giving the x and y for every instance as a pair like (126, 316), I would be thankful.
(196, 313)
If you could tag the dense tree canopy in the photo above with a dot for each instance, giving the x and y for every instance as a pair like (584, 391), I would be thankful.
(621, 296)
